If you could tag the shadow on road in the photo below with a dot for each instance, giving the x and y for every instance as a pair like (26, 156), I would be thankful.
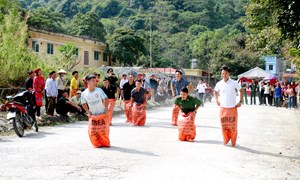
(3, 141)
(249, 150)
(130, 151)
(246, 149)
(37, 135)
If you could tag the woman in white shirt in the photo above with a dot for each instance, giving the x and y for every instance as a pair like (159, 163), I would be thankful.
(267, 93)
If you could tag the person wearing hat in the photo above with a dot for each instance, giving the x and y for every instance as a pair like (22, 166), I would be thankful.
(77, 99)
(39, 87)
(74, 86)
(61, 83)
(177, 84)
(95, 103)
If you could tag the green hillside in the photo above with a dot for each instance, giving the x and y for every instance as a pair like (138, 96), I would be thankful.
(181, 29)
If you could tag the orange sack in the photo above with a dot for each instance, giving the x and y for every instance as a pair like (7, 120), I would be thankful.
(110, 107)
(175, 113)
(186, 126)
(229, 120)
(128, 110)
(139, 114)
(98, 129)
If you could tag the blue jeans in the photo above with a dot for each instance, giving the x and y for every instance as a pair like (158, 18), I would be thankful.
(291, 102)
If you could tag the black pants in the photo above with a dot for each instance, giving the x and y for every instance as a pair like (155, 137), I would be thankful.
(51, 105)
(69, 108)
(60, 94)
(31, 112)
(46, 102)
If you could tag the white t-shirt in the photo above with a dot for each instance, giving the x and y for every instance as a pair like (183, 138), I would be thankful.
(267, 89)
(201, 88)
(94, 100)
(227, 91)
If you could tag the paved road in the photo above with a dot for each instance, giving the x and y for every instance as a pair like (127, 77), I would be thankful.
(268, 147)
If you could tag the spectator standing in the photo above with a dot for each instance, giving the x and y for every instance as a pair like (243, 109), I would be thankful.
(31, 96)
(39, 87)
(253, 88)
(153, 85)
(201, 91)
(278, 94)
(61, 83)
(122, 82)
(267, 94)
(74, 86)
(290, 94)
(112, 78)
(52, 92)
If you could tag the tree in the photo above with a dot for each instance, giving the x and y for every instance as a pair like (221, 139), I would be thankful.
(127, 46)
(15, 58)
(282, 27)
(46, 19)
(68, 57)
(88, 25)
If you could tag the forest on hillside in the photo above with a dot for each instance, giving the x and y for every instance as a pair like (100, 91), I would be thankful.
(210, 31)
(215, 32)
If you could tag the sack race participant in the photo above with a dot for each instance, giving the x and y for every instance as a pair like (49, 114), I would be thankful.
(139, 101)
(95, 102)
(188, 107)
(227, 89)
(98, 129)
(110, 92)
(126, 94)
(176, 85)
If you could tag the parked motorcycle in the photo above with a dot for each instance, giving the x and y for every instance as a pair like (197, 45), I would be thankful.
(18, 113)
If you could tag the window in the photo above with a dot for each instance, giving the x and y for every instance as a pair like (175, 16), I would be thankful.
(86, 58)
(114, 59)
(96, 55)
(104, 56)
(270, 67)
(49, 48)
(76, 52)
(35, 46)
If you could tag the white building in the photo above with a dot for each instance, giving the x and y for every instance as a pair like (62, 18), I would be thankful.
(274, 65)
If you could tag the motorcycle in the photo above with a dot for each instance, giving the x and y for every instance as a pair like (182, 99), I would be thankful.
(18, 113)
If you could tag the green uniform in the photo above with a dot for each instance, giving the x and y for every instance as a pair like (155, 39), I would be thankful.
(187, 105)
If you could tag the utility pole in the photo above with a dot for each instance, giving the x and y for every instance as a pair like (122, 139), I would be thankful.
(150, 42)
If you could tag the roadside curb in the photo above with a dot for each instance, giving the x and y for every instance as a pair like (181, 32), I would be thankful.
(7, 129)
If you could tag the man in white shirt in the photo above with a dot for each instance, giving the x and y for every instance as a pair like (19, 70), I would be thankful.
(94, 101)
(201, 91)
(52, 92)
(227, 89)
(122, 82)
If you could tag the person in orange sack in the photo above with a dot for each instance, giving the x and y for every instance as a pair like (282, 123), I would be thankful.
(95, 102)
(139, 101)
(110, 91)
(188, 107)
(126, 94)
(227, 89)
(176, 85)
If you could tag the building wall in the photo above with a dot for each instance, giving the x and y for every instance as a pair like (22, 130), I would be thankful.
(43, 38)
(276, 64)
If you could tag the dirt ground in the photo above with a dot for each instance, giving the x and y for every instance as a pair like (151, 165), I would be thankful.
(268, 147)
